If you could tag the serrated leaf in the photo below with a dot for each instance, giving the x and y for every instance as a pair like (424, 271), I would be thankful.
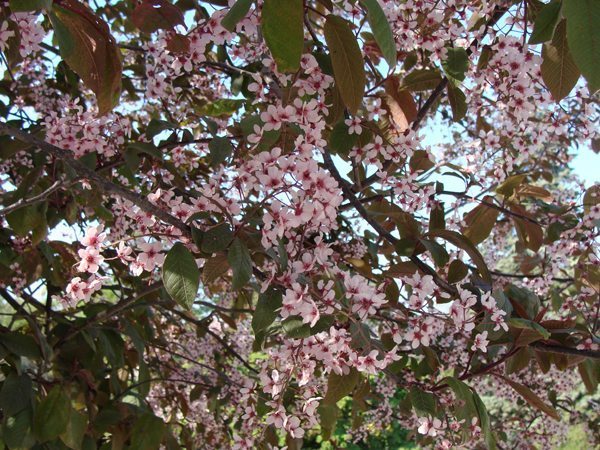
(240, 263)
(181, 276)
(347, 61)
(545, 22)
(51, 417)
(583, 35)
(88, 48)
(381, 30)
(236, 13)
(283, 29)
(559, 72)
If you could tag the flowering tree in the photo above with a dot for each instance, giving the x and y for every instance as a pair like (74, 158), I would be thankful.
(233, 224)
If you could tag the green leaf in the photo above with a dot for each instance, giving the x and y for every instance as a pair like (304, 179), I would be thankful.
(456, 63)
(347, 61)
(531, 398)
(236, 13)
(240, 262)
(20, 344)
(181, 276)
(29, 5)
(51, 417)
(559, 72)
(283, 29)
(458, 102)
(15, 394)
(88, 48)
(147, 433)
(421, 80)
(73, 435)
(545, 22)
(217, 238)
(423, 402)
(340, 141)
(16, 431)
(438, 253)
(484, 422)
(381, 30)
(583, 35)
(265, 311)
(156, 126)
(464, 393)
(220, 149)
(461, 241)
(29, 218)
(338, 386)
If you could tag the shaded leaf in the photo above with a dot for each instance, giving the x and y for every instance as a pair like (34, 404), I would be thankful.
(181, 276)
(153, 15)
(236, 13)
(462, 242)
(545, 22)
(220, 149)
(15, 394)
(456, 63)
(51, 417)
(421, 80)
(217, 238)
(531, 398)
(347, 61)
(240, 262)
(338, 386)
(147, 433)
(458, 102)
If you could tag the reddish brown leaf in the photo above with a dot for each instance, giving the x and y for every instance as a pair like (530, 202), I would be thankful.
(480, 221)
(531, 398)
(153, 15)
(178, 43)
(400, 104)
(88, 48)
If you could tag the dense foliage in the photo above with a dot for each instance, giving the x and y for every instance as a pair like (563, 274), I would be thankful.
(268, 223)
